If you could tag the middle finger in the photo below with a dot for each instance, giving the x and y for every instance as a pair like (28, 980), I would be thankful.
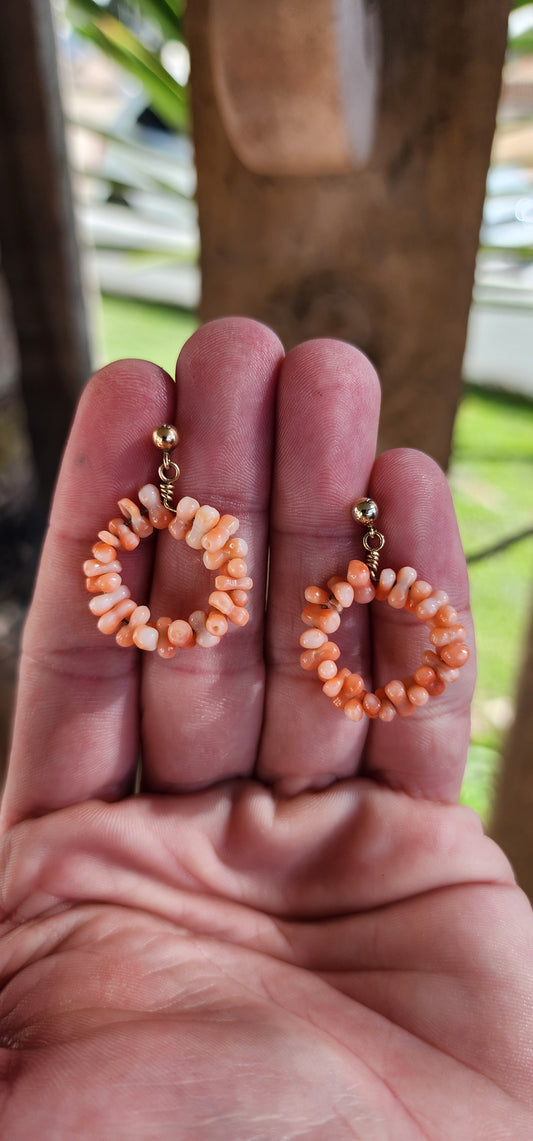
(328, 412)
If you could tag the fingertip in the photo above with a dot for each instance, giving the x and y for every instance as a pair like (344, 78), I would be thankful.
(325, 356)
(127, 378)
(220, 344)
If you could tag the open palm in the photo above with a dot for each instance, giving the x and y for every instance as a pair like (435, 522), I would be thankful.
(293, 931)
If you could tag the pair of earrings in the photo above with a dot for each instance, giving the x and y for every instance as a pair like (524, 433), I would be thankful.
(204, 529)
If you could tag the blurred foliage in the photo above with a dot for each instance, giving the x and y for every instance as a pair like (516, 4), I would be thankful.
(132, 33)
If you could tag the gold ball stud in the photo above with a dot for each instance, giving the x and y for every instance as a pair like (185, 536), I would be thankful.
(165, 437)
(365, 511)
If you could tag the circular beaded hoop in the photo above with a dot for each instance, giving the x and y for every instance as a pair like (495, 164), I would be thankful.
(402, 590)
(203, 528)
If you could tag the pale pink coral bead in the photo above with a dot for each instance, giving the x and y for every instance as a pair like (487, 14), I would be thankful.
(180, 633)
(126, 537)
(312, 639)
(327, 670)
(316, 595)
(219, 535)
(216, 624)
(165, 649)
(114, 618)
(139, 616)
(158, 515)
(386, 582)
(324, 619)
(198, 622)
(397, 597)
(104, 552)
(342, 592)
(146, 638)
(236, 568)
(103, 583)
(138, 522)
(219, 600)
(109, 539)
(205, 519)
(186, 508)
(182, 521)
(429, 606)
(92, 568)
(222, 582)
(101, 603)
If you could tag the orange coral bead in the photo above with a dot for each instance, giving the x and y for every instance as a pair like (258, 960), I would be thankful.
(353, 685)
(311, 639)
(397, 597)
(216, 624)
(104, 553)
(341, 591)
(386, 582)
(219, 600)
(180, 633)
(445, 635)
(334, 685)
(371, 705)
(219, 535)
(397, 694)
(103, 583)
(455, 655)
(311, 659)
(109, 622)
(353, 709)
(324, 618)
(165, 648)
(316, 595)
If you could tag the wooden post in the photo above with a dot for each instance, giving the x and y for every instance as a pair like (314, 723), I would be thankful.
(512, 820)
(37, 234)
(382, 256)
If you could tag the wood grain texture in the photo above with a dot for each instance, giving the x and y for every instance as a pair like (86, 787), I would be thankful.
(383, 257)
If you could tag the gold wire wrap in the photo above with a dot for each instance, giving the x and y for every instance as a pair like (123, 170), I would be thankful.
(166, 482)
(373, 542)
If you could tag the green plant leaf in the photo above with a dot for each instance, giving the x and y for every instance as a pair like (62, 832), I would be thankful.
(167, 97)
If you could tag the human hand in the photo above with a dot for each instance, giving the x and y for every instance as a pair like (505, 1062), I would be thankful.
(293, 932)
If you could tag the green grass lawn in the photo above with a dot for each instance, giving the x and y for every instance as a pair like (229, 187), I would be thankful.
(492, 482)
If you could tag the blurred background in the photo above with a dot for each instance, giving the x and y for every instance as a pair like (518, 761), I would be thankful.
(339, 169)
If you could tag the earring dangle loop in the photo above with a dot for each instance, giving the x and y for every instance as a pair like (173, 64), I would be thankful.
(401, 590)
(204, 529)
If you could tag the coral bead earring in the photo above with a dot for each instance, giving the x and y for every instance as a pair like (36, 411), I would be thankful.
(212, 535)
(400, 589)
